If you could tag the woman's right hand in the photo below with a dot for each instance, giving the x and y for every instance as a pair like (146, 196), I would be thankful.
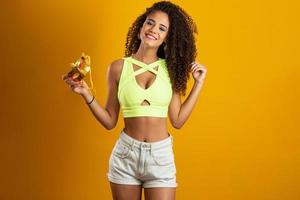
(79, 87)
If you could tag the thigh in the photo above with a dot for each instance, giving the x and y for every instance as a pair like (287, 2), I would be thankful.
(126, 192)
(160, 193)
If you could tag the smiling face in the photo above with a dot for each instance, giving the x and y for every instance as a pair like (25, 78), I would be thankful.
(155, 29)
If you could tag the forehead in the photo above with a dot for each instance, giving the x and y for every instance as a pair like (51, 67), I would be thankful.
(159, 17)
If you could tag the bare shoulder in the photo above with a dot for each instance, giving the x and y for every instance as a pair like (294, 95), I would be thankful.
(115, 69)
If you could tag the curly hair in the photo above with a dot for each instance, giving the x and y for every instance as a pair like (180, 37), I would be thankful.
(180, 51)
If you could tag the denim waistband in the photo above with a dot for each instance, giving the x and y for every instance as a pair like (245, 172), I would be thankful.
(132, 142)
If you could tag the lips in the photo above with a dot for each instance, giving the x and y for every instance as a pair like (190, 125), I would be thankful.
(150, 36)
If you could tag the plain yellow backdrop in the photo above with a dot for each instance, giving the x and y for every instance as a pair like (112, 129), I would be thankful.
(240, 143)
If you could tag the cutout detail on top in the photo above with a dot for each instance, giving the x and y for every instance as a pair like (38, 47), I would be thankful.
(145, 103)
(152, 73)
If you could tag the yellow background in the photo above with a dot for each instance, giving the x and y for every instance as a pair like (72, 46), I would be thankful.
(240, 143)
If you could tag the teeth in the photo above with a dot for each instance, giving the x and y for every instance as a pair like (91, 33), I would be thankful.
(151, 37)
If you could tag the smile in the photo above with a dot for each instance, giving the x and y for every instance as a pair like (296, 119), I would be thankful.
(151, 37)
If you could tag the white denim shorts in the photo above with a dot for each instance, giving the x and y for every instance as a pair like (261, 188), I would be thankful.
(133, 162)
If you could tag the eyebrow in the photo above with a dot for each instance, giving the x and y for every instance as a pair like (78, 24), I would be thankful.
(154, 21)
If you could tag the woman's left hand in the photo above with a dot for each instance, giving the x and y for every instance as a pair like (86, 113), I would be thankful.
(198, 71)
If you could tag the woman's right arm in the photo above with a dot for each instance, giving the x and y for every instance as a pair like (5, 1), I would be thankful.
(108, 115)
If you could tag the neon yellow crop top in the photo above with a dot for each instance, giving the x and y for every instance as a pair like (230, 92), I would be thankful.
(131, 95)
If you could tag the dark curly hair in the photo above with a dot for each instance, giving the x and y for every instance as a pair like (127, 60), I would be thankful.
(181, 48)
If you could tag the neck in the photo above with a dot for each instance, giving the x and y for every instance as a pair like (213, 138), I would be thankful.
(146, 54)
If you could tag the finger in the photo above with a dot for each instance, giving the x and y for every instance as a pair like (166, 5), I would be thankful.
(195, 68)
(192, 67)
(195, 65)
(73, 86)
(72, 82)
(68, 79)
(198, 69)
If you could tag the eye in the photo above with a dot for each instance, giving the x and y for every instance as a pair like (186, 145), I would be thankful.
(162, 29)
(149, 22)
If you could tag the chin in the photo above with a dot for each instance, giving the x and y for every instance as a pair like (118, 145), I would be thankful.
(152, 44)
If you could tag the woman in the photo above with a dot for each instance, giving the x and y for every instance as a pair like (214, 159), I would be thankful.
(147, 84)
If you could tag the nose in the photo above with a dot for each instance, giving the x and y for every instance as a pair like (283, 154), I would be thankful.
(154, 30)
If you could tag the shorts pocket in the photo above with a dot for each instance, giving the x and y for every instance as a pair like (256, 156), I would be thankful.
(163, 157)
(121, 150)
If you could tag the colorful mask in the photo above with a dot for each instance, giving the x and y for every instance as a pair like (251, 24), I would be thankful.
(80, 69)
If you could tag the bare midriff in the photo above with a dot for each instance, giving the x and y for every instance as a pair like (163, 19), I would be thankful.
(146, 129)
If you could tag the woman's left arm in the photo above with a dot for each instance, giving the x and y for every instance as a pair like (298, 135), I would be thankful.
(179, 113)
